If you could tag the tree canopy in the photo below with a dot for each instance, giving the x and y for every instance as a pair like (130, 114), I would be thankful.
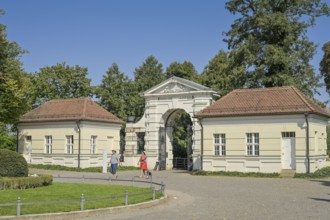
(149, 74)
(184, 70)
(218, 74)
(269, 40)
(114, 91)
(59, 82)
(325, 65)
(14, 82)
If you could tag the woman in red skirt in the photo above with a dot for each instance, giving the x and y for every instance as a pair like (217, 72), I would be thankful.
(143, 165)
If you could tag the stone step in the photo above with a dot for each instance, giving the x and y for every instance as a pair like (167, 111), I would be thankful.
(287, 173)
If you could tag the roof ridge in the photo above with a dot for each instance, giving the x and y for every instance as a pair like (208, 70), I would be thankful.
(262, 89)
(69, 99)
(302, 98)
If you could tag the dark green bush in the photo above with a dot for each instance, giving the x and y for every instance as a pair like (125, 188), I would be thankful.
(25, 182)
(12, 164)
(321, 173)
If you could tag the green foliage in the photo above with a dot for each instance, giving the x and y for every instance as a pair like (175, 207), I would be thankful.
(149, 74)
(75, 169)
(185, 70)
(7, 183)
(12, 164)
(325, 65)
(115, 93)
(233, 173)
(269, 40)
(14, 82)
(181, 136)
(321, 173)
(328, 141)
(108, 195)
(59, 82)
(219, 75)
(7, 141)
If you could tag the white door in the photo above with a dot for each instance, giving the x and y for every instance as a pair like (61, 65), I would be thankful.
(288, 153)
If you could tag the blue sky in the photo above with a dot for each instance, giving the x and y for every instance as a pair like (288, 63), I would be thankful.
(97, 33)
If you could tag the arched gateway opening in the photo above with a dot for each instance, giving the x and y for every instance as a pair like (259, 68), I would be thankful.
(178, 132)
(168, 105)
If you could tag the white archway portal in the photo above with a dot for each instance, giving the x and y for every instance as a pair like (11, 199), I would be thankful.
(162, 102)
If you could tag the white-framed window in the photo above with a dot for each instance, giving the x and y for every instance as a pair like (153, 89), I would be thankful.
(48, 144)
(288, 134)
(220, 144)
(252, 144)
(93, 144)
(69, 144)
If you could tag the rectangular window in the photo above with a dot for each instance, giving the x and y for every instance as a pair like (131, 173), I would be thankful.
(220, 144)
(140, 141)
(252, 144)
(93, 144)
(48, 144)
(288, 134)
(69, 144)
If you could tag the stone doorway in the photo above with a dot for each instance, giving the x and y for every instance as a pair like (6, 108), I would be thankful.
(163, 103)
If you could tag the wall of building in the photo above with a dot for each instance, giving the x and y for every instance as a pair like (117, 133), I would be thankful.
(270, 130)
(108, 137)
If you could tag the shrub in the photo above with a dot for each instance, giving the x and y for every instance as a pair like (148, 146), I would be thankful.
(321, 173)
(12, 164)
(25, 182)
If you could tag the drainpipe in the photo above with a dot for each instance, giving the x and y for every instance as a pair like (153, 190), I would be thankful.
(307, 142)
(202, 141)
(79, 137)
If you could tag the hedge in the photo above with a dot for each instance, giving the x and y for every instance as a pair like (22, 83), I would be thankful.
(25, 182)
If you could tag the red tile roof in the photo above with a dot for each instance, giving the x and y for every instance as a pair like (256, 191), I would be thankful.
(68, 110)
(262, 101)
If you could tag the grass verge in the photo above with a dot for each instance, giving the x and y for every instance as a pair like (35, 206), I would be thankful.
(319, 174)
(75, 169)
(234, 173)
(71, 191)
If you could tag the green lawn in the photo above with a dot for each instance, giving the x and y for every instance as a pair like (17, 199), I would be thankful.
(70, 191)
(75, 169)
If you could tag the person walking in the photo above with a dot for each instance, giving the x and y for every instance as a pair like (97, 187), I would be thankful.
(143, 165)
(114, 164)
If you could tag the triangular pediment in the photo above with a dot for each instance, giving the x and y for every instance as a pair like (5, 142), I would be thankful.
(173, 87)
(176, 85)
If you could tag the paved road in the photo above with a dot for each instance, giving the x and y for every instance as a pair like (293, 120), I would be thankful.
(200, 197)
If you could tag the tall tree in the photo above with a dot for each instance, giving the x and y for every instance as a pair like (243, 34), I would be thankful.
(218, 74)
(184, 70)
(114, 91)
(325, 65)
(14, 82)
(269, 41)
(61, 81)
(149, 74)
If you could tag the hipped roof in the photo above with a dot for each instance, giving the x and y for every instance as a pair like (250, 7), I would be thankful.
(68, 110)
(263, 101)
